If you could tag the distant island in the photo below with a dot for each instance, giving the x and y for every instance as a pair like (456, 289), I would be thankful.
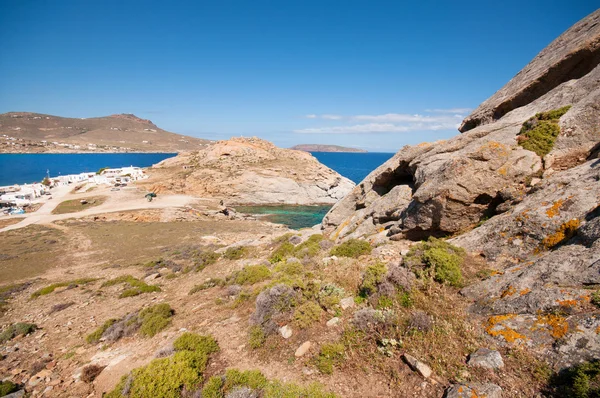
(27, 132)
(325, 148)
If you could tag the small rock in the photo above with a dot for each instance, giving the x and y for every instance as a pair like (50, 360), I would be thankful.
(152, 277)
(333, 321)
(286, 331)
(486, 358)
(535, 181)
(43, 373)
(303, 349)
(404, 252)
(487, 390)
(294, 240)
(16, 394)
(34, 381)
(347, 302)
(417, 365)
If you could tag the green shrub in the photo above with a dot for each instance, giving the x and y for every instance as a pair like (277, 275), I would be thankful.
(285, 250)
(352, 248)
(580, 381)
(310, 248)
(331, 354)
(405, 299)
(154, 319)
(212, 388)
(307, 314)
(251, 274)
(96, 335)
(595, 299)
(251, 378)
(7, 387)
(235, 253)
(204, 259)
(51, 288)
(374, 274)
(256, 337)
(539, 133)
(212, 282)
(437, 259)
(289, 268)
(137, 286)
(195, 342)
(17, 329)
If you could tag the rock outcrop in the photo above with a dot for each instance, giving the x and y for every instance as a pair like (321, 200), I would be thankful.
(449, 186)
(251, 171)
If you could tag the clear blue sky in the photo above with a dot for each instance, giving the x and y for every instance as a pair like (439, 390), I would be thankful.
(372, 74)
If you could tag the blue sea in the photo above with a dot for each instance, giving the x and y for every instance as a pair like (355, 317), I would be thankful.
(28, 168)
(31, 167)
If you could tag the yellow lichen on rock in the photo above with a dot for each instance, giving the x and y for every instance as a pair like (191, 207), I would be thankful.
(495, 328)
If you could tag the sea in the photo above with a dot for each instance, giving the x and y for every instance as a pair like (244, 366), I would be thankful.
(28, 168)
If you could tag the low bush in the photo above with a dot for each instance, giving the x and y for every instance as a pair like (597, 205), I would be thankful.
(17, 329)
(137, 286)
(90, 372)
(235, 253)
(154, 319)
(330, 355)
(7, 387)
(307, 314)
(374, 275)
(60, 307)
(273, 305)
(96, 335)
(580, 381)
(212, 282)
(437, 259)
(595, 299)
(195, 342)
(539, 133)
(251, 274)
(352, 248)
(51, 288)
(256, 337)
(307, 249)
(285, 250)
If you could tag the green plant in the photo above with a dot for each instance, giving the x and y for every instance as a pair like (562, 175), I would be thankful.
(251, 378)
(595, 299)
(235, 253)
(330, 354)
(212, 282)
(539, 133)
(352, 248)
(51, 288)
(204, 259)
(306, 314)
(17, 329)
(195, 342)
(385, 302)
(96, 335)
(439, 260)
(580, 381)
(374, 274)
(212, 388)
(251, 274)
(285, 250)
(256, 337)
(405, 299)
(289, 268)
(310, 248)
(137, 286)
(154, 319)
(7, 387)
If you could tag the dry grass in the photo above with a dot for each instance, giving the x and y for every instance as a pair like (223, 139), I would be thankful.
(5, 222)
(75, 205)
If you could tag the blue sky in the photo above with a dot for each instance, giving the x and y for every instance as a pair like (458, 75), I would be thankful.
(370, 74)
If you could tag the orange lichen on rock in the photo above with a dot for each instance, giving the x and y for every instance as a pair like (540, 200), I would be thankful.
(598, 330)
(558, 325)
(567, 303)
(509, 291)
(495, 328)
(554, 210)
(524, 292)
(564, 232)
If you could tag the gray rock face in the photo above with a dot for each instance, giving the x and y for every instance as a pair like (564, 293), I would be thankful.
(449, 186)
(487, 390)
(486, 358)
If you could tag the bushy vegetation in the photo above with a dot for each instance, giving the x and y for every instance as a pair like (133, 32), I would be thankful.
(136, 286)
(51, 288)
(169, 377)
(437, 259)
(7, 387)
(212, 282)
(595, 299)
(251, 274)
(256, 337)
(307, 314)
(351, 248)
(539, 133)
(308, 249)
(235, 253)
(373, 276)
(90, 372)
(17, 329)
(580, 381)
(253, 383)
(330, 355)
(148, 322)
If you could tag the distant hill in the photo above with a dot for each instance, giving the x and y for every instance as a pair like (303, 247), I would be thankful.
(35, 132)
(324, 148)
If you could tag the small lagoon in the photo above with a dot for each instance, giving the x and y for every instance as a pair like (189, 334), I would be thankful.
(295, 217)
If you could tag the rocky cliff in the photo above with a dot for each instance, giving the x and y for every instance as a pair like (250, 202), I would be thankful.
(251, 171)
(447, 187)
(520, 187)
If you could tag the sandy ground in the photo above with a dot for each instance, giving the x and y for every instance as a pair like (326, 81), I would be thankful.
(128, 198)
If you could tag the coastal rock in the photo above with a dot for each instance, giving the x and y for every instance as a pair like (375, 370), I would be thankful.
(251, 171)
(446, 187)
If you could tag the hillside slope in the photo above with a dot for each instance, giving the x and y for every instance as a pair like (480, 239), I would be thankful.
(125, 132)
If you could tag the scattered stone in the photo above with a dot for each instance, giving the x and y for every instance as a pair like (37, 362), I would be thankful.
(303, 349)
(486, 358)
(404, 252)
(347, 302)
(286, 331)
(16, 394)
(333, 321)
(152, 277)
(487, 390)
(417, 365)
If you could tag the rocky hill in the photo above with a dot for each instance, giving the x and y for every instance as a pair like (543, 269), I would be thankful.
(251, 171)
(35, 132)
(325, 148)
(520, 187)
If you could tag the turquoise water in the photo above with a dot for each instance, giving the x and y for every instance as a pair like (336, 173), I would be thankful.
(295, 217)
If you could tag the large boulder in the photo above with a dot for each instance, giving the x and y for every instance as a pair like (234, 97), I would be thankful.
(484, 171)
